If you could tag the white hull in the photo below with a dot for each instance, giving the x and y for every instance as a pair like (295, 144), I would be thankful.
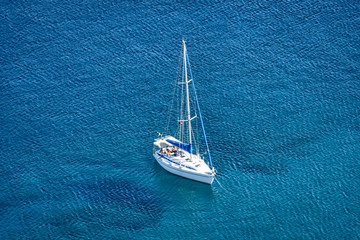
(203, 177)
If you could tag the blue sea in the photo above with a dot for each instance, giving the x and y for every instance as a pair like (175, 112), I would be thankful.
(85, 86)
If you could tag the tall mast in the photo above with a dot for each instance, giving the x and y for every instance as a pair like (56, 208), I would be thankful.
(187, 93)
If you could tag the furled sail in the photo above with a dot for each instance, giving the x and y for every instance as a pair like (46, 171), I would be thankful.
(183, 146)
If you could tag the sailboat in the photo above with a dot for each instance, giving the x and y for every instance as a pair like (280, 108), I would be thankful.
(180, 154)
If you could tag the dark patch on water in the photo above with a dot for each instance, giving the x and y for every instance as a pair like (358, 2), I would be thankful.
(273, 155)
(295, 145)
(253, 167)
(241, 157)
(87, 208)
(124, 196)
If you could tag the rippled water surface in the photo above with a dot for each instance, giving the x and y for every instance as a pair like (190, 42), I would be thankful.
(86, 86)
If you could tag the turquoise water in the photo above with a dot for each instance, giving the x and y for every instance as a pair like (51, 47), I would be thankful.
(86, 86)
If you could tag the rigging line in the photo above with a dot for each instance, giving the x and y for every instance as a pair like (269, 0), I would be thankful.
(194, 141)
(195, 130)
(198, 107)
(173, 95)
(178, 106)
(197, 135)
(182, 104)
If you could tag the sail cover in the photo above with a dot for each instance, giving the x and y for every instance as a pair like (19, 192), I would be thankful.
(183, 146)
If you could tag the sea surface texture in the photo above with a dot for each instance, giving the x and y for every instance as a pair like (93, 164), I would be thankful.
(85, 86)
